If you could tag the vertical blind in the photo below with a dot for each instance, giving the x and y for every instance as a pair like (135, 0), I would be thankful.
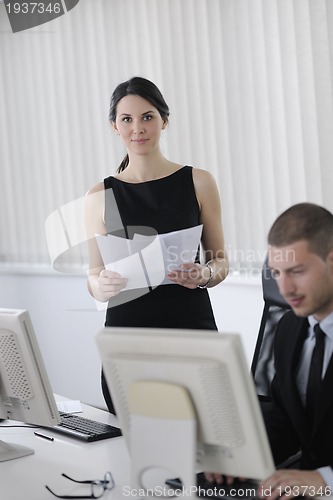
(248, 83)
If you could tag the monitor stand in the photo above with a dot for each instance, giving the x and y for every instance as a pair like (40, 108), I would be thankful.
(10, 451)
(163, 432)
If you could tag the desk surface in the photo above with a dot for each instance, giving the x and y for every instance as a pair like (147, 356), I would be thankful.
(25, 478)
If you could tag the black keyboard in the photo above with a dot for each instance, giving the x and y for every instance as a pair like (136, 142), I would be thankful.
(238, 490)
(85, 429)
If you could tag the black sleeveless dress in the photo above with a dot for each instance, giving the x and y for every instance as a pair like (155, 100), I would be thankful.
(157, 206)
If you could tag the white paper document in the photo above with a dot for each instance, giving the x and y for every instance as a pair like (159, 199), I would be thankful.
(146, 260)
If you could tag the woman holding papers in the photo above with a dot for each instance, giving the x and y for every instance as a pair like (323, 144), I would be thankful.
(155, 214)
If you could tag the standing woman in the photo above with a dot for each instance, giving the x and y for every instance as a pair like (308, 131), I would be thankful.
(150, 191)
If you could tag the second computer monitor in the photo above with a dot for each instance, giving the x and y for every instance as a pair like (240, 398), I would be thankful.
(211, 367)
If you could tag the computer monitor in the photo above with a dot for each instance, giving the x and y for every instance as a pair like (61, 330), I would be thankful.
(25, 391)
(211, 367)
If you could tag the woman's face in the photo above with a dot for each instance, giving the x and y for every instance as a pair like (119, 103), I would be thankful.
(139, 124)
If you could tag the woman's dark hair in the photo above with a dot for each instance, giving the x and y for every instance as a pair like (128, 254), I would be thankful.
(143, 88)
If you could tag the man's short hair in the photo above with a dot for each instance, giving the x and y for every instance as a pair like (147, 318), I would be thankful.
(304, 221)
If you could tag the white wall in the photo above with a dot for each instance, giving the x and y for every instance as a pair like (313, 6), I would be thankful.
(250, 89)
(66, 322)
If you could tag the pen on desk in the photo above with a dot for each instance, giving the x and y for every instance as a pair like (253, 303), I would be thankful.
(43, 436)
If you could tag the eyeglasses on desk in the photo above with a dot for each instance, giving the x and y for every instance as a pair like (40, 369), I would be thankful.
(97, 486)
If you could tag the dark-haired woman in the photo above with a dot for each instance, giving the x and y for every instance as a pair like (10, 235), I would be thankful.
(151, 193)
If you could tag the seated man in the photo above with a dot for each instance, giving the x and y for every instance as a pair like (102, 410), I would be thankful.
(300, 256)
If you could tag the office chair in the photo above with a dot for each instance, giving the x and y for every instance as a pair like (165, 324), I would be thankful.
(262, 367)
(275, 307)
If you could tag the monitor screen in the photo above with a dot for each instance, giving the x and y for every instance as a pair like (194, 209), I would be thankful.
(230, 433)
(25, 391)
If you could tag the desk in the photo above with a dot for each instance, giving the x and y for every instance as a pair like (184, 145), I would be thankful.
(25, 478)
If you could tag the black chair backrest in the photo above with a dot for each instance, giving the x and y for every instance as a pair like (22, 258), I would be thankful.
(275, 307)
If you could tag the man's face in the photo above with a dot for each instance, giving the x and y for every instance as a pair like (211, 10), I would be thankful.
(304, 279)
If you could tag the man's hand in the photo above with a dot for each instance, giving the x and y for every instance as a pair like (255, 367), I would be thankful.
(286, 483)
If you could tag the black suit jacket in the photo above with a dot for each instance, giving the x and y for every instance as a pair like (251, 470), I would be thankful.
(287, 426)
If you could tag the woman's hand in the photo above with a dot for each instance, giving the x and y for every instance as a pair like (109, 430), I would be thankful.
(107, 285)
(190, 275)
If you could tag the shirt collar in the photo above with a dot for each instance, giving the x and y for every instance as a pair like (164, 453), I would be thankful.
(326, 325)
